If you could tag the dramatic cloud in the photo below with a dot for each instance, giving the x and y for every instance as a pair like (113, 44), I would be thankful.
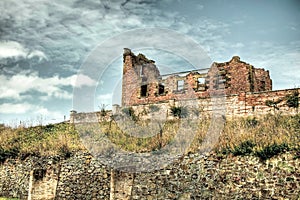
(18, 85)
(13, 52)
(11, 49)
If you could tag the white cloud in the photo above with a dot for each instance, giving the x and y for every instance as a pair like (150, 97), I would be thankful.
(39, 54)
(20, 108)
(12, 49)
(15, 86)
(238, 45)
(81, 80)
(199, 7)
(30, 114)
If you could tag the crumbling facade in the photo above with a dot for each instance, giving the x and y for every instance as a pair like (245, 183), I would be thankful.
(143, 83)
(245, 89)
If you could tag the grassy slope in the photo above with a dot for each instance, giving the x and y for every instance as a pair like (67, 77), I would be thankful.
(267, 136)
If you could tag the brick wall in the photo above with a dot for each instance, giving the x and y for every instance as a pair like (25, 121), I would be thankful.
(142, 82)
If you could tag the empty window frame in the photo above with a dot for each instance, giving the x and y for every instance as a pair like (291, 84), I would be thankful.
(141, 71)
(144, 90)
(262, 85)
(180, 85)
(161, 89)
(216, 82)
(201, 84)
(201, 81)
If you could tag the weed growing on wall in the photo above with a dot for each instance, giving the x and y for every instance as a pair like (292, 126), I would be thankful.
(179, 111)
(153, 108)
(292, 100)
(130, 113)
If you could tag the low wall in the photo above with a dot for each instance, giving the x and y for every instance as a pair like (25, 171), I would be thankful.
(241, 105)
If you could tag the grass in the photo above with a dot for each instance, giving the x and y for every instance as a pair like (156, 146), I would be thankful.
(50, 140)
(3, 198)
(264, 137)
(271, 134)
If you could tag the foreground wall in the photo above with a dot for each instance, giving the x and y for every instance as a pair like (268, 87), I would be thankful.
(201, 177)
(194, 176)
(79, 177)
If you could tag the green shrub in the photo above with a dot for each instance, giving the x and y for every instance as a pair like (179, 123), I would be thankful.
(130, 113)
(103, 111)
(251, 122)
(272, 150)
(180, 111)
(65, 151)
(245, 148)
(49, 128)
(153, 108)
(273, 104)
(8, 153)
(292, 100)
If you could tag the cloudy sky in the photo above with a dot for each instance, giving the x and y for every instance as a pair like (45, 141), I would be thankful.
(44, 43)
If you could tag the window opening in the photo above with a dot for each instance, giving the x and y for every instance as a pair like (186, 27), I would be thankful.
(180, 84)
(144, 90)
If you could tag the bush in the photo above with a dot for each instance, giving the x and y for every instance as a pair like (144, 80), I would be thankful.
(245, 148)
(130, 113)
(251, 122)
(153, 108)
(292, 100)
(180, 111)
(273, 104)
(65, 151)
(8, 153)
(272, 150)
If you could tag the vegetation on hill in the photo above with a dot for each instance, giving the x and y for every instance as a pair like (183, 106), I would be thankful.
(59, 139)
(264, 137)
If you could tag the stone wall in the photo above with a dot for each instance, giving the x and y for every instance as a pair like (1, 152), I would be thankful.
(82, 177)
(210, 177)
(14, 179)
(32, 178)
(254, 104)
(79, 177)
(193, 176)
(239, 105)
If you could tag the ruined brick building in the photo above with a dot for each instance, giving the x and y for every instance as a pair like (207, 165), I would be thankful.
(246, 89)
(143, 83)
